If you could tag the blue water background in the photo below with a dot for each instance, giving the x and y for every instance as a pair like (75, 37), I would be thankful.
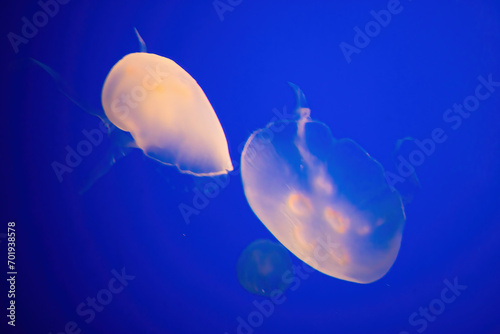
(427, 58)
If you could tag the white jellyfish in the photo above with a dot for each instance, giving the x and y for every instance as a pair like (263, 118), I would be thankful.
(151, 103)
(324, 199)
(167, 114)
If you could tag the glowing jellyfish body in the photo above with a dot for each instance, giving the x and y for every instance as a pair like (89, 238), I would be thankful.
(167, 114)
(261, 267)
(326, 200)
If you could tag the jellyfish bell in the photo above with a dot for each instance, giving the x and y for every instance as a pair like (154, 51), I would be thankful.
(326, 200)
(167, 113)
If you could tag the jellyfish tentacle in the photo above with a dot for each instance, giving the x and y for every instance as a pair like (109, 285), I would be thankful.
(121, 142)
(408, 186)
(300, 141)
(111, 157)
(141, 41)
(302, 108)
(63, 88)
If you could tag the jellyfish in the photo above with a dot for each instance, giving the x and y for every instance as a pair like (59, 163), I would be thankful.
(152, 104)
(325, 199)
(261, 267)
(166, 112)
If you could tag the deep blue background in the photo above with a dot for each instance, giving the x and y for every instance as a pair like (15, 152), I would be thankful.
(426, 59)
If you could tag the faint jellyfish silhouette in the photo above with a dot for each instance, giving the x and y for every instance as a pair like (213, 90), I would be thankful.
(407, 183)
(261, 266)
(167, 113)
(325, 199)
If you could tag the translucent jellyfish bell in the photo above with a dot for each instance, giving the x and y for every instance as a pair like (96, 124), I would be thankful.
(324, 199)
(167, 114)
(261, 267)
